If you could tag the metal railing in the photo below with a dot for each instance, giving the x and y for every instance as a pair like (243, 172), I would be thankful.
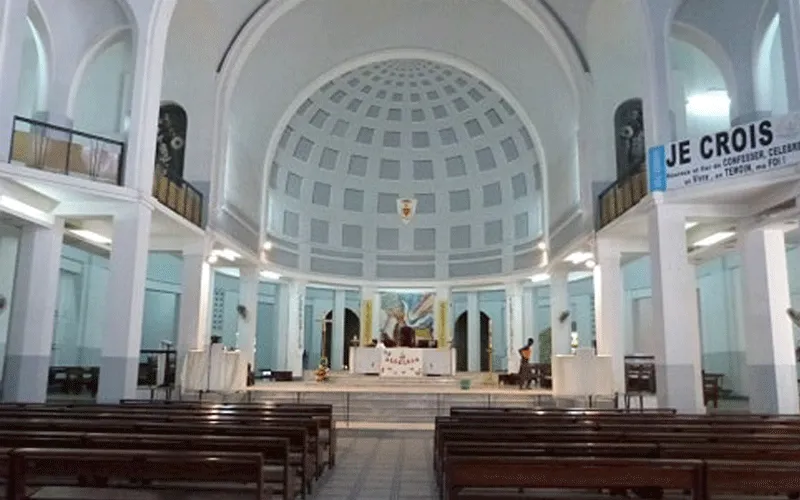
(179, 196)
(62, 150)
(621, 196)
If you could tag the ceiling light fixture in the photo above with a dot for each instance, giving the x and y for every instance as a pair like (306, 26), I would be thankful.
(542, 245)
(714, 239)
(267, 245)
(212, 259)
(270, 275)
(690, 225)
(579, 257)
(540, 278)
(226, 254)
(91, 236)
(591, 263)
(711, 103)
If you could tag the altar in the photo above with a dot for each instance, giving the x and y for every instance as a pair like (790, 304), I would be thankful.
(402, 361)
(214, 369)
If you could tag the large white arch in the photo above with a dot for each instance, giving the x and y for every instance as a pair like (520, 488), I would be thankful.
(386, 55)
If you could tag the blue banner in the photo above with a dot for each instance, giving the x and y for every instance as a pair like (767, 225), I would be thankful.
(657, 168)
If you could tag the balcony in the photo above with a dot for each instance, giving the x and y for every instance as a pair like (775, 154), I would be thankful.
(179, 196)
(61, 150)
(621, 196)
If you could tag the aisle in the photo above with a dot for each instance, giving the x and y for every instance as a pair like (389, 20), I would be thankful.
(380, 465)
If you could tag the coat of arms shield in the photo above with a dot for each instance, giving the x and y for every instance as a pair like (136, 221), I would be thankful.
(406, 207)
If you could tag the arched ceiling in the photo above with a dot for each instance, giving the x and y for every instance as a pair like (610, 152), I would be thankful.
(395, 129)
(310, 42)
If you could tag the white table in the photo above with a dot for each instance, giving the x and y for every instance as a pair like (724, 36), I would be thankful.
(583, 374)
(214, 369)
(402, 361)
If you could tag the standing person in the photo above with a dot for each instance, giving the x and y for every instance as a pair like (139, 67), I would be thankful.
(525, 365)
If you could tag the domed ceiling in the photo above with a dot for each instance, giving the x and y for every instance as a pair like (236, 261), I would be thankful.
(405, 129)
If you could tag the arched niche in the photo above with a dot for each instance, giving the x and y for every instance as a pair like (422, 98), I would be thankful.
(171, 140)
(770, 72)
(629, 137)
(32, 93)
(461, 342)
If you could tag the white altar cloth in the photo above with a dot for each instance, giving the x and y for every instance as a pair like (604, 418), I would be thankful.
(583, 374)
(225, 371)
(402, 361)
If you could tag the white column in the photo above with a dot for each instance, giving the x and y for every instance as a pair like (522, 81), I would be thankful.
(515, 334)
(442, 318)
(659, 123)
(370, 304)
(33, 309)
(769, 339)
(248, 297)
(290, 334)
(473, 333)
(676, 328)
(119, 362)
(529, 326)
(559, 302)
(337, 335)
(146, 95)
(13, 26)
(8, 266)
(789, 11)
(196, 279)
(609, 308)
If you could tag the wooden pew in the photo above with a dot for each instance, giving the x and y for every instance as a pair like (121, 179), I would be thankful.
(321, 412)
(302, 455)
(142, 465)
(275, 451)
(569, 473)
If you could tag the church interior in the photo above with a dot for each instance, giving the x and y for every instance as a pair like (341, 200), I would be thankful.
(399, 249)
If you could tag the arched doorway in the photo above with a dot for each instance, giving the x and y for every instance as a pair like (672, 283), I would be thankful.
(352, 328)
(326, 336)
(461, 343)
(484, 342)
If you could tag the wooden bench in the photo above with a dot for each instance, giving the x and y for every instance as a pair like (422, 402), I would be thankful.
(274, 451)
(138, 465)
(302, 454)
(321, 412)
(569, 473)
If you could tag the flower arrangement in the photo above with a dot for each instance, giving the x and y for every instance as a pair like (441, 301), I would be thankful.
(323, 371)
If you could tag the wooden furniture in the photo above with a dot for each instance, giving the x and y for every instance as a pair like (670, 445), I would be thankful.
(712, 384)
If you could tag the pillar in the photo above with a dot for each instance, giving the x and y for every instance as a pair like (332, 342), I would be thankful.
(248, 297)
(32, 315)
(8, 266)
(442, 319)
(789, 11)
(473, 333)
(337, 335)
(290, 333)
(119, 361)
(370, 302)
(559, 302)
(769, 339)
(515, 334)
(194, 311)
(658, 119)
(609, 308)
(676, 327)
(13, 25)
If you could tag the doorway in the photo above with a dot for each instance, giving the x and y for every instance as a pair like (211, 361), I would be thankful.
(461, 343)
(352, 328)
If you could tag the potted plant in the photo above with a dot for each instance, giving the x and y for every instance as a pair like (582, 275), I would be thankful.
(323, 371)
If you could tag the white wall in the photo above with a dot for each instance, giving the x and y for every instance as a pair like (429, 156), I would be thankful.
(30, 76)
(103, 98)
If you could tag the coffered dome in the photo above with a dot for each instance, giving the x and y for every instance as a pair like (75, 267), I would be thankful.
(405, 129)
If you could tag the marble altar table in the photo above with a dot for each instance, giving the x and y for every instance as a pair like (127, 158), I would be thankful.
(402, 361)
(214, 369)
(583, 374)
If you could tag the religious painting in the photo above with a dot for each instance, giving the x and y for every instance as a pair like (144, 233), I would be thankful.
(629, 131)
(403, 310)
(171, 140)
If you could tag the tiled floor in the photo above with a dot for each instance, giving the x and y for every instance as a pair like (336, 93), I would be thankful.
(380, 465)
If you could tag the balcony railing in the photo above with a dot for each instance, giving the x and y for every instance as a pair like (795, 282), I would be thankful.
(180, 196)
(621, 196)
(66, 151)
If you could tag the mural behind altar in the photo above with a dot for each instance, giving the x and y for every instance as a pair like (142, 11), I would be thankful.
(415, 309)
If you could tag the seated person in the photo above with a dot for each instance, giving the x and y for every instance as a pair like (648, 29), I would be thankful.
(387, 341)
(408, 336)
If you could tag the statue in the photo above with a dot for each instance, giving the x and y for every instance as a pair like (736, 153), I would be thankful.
(629, 131)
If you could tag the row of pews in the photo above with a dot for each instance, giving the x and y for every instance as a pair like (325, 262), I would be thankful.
(270, 448)
(496, 452)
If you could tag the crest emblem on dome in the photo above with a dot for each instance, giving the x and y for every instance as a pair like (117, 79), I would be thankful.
(406, 208)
